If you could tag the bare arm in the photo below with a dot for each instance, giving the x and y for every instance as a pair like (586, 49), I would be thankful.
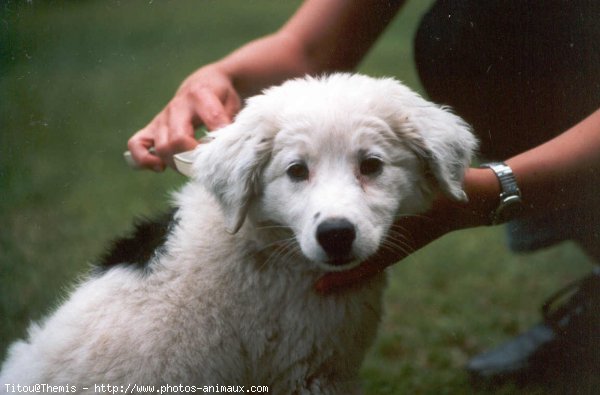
(323, 35)
(562, 172)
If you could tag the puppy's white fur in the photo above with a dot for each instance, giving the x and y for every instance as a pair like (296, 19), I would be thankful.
(238, 307)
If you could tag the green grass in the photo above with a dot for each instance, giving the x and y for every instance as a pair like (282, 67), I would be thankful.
(78, 78)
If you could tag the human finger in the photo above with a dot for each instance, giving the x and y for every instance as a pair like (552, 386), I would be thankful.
(174, 135)
(336, 281)
(211, 110)
(408, 233)
(140, 146)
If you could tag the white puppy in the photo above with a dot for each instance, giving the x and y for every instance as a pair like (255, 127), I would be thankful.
(308, 179)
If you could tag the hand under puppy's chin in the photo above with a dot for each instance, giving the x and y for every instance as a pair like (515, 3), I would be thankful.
(330, 267)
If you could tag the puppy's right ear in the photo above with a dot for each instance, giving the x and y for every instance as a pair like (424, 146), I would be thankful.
(445, 142)
(440, 138)
(230, 165)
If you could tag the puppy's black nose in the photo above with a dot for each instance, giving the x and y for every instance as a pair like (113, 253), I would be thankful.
(336, 236)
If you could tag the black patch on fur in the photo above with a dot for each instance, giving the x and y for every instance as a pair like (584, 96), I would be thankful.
(137, 250)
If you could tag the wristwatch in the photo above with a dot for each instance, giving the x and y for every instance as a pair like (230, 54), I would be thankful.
(511, 204)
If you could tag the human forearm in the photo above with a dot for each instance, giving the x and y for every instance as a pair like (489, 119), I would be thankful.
(265, 62)
(323, 35)
(562, 172)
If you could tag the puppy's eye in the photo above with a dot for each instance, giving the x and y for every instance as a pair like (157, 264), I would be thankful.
(297, 171)
(371, 166)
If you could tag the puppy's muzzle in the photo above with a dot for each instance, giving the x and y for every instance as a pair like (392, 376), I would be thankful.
(336, 236)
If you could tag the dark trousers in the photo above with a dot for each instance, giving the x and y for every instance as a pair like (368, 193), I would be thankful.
(519, 71)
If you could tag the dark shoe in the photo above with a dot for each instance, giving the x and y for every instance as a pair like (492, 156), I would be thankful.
(568, 339)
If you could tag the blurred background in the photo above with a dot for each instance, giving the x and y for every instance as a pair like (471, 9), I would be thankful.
(78, 78)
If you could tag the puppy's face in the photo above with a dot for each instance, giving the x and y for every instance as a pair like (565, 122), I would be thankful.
(335, 160)
(338, 181)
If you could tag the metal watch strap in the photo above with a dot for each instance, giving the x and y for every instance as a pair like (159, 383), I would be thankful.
(510, 192)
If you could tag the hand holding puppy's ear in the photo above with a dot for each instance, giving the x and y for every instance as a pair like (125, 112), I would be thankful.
(207, 97)
(445, 215)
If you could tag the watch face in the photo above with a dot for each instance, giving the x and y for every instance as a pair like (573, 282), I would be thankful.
(510, 208)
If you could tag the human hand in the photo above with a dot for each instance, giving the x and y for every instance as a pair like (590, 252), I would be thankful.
(407, 235)
(207, 97)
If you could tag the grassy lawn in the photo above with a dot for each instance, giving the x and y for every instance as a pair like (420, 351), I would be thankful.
(78, 78)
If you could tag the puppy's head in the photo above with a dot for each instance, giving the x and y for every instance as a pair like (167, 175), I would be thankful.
(336, 159)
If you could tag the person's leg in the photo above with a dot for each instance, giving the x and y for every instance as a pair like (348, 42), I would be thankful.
(590, 243)
(522, 73)
(519, 72)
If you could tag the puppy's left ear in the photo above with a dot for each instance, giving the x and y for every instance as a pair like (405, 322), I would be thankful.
(230, 165)
(444, 141)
